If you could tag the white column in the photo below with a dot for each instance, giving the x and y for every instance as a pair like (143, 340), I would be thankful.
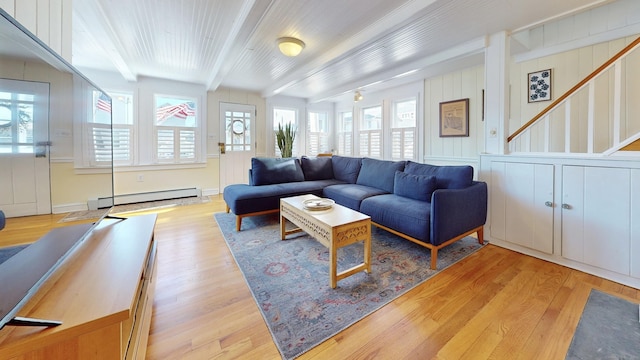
(496, 96)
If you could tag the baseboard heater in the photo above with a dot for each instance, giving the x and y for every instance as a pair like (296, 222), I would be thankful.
(156, 195)
(145, 197)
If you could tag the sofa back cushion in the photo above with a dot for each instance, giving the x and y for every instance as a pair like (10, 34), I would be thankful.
(346, 168)
(317, 168)
(265, 171)
(379, 173)
(418, 187)
(447, 177)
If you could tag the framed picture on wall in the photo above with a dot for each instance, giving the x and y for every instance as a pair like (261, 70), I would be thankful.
(454, 118)
(539, 84)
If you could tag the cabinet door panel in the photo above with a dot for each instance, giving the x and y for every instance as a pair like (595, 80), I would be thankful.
(529, 222)
(497, 200)
(635, 223)
(573, 218)
(596, 219)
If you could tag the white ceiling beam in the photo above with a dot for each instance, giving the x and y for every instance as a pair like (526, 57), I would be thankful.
(94, 17)
(413, 69)
(377, 29)
(217, 74)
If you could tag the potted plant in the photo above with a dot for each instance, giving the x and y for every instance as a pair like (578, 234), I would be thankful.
(284, 138)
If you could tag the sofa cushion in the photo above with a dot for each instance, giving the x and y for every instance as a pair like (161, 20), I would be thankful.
(418, 187)
(447, 177)
(266, 171)
(350, 195)
(379, 173)
(408, 216)
(346, 168)
(317, 168)
(245, 199)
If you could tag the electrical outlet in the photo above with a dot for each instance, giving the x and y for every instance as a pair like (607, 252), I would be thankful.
(140, 178)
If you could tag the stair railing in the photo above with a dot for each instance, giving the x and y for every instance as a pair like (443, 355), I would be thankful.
(545, 141)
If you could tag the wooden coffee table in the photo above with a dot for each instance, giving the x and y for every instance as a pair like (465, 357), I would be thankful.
(333, 228)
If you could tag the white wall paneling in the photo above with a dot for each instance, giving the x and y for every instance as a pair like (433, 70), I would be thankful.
(466, 83)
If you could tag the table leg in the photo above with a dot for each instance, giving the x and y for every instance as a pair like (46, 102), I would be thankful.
(283, 221)
(333, 266)
(367, 253)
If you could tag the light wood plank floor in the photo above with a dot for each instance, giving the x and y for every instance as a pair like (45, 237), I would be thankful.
(495, 304)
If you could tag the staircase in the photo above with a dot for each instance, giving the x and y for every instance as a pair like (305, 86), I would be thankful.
(599, 115)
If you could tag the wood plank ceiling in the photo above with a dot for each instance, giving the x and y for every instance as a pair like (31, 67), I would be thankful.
(349, 44)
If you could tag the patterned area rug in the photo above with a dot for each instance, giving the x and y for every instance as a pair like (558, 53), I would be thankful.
(120, 209)
(290, 279)
(609, 328)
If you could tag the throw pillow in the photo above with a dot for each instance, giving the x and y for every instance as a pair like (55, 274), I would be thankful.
(318, 168)
(447, 177)
(346, 168)
(379, 173)
(418, 187)
(265, 171)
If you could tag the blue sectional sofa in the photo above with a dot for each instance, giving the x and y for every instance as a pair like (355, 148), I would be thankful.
(430, 205)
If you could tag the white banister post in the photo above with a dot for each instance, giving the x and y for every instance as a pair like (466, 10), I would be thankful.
(547, 133)
(617, 94)
(496, 79)
(567, 125)
(591, 113)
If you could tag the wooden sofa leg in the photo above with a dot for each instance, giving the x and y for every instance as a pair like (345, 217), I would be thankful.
(228, 209)
(481, 235)
(238, 222)
(434, 258)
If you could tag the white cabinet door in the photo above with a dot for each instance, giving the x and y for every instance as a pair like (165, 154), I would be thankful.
(635, 223)
(522, 204)
(529, 210)
(596, 216)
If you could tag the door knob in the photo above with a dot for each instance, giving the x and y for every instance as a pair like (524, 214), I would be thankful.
(222, 147)
(548, 203)
(566, 206)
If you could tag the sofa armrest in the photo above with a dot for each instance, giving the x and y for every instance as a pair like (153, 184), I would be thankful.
(456, 211)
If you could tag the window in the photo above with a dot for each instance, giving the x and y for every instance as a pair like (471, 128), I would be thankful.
(318, 133)
(345, 133)
(403, 130)
(123, 128)
(16, 122)
(176, 129)
(282, 116)
(237, 130)
(99, 127)
(370, 132)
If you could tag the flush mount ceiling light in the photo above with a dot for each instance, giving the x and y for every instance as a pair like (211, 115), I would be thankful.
(357, 96)
(290, 46)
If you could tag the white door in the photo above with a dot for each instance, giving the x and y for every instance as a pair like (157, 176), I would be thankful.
(237, 139)
(24, 133)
